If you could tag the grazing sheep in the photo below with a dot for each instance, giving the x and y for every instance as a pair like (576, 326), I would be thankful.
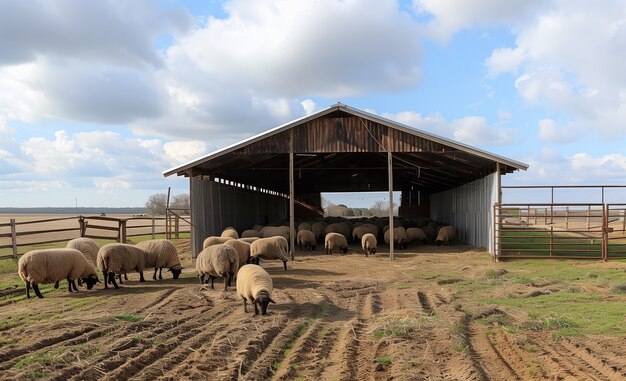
(446, 234)
(399, 237)
(368, 243)
(230, 232)
(243, 249)
(120, 258)
(257, 227)
(342, 228)
(319, 229)
(305, 226)
(250, 233)
(415, 234)
(51, 265)
(254, 284)
(269, 248)
(359, 231)
(248, 239)
(430, 232)
(275, 231)
(306, 239)
(333, 240)
(213, 240)
(215, 261)
(87, 246)
(161, 253)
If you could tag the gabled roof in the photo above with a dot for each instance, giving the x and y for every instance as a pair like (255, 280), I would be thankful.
(316, 137)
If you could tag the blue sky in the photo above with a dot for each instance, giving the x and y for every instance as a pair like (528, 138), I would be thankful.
(98, 98)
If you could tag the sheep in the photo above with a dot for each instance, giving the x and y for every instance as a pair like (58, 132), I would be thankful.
(399, 237)
(248, 239)
(215, 261)
(368, 243)
(319, 229)
(120, 258)
(213, 240)
(274, 231)
(161, 253)
(269, 248)
(430, 232)
(415, 234)
(305, 226)
(306, 239)
(257, 227)
(254, 284)
(333, 240)
(243, 249)
(250, 233)
(230, 232)
(359, 231)
(446, 234)
(342, 228)
(51, 265)
(87, 246)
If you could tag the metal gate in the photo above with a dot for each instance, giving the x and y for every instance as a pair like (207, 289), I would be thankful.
(549, 230)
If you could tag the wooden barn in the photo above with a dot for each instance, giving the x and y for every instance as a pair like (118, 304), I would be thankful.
(343, 149)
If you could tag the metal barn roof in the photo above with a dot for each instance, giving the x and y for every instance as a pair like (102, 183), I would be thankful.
(345, 149)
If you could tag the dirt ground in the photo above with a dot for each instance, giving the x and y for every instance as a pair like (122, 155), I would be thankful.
(339, 317)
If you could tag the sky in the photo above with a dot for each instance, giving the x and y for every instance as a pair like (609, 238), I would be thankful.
(98, 98)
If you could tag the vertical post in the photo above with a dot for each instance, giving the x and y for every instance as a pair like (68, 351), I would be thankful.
(588, 216)
(496, 221)
(390, 173)
(545, 216)
(499, 183)
(551, 240)
(605, 229)
(13, 238)
(292, 223)
(153, 226)
(168, 227)
(567, 218)
(552, 205)
(82, 226)
(176, 223)
(623, 219)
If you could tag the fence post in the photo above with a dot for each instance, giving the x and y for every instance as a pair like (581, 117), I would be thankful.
(567, 218)
(605, 232)
(82, 226)
(123, 231)
(545, 216)
(176, 222)
(14, 238)
(153, 226)
(588, 216)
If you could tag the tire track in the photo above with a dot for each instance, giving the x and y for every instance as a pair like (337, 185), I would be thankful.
(424, 303)
(587, 355)
(290, 368)
(492, 359)
(562, 361)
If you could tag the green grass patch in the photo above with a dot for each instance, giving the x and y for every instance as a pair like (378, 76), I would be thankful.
(129, 318)
(619, 288)
(45, 359)
(384, 360)
(403, 328)
(542, 243)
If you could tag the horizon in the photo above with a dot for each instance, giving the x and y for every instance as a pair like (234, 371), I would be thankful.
(96, 104)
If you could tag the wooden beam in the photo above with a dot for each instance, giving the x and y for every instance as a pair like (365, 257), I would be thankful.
(292, 230)
(390, 170)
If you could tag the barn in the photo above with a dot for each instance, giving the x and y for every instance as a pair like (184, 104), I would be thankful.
(279, 175)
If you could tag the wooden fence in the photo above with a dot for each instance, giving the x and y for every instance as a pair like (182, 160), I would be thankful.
(18, 234)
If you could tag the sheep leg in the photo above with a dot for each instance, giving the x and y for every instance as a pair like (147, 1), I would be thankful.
(28, 290)
(245, 305)
(201, 278)
(36, 288)
(256, 309)
(106, 278)
(141, 279)
(155, 271)
(56, 284)
(212, 279)
(74, 285)
(285, 263)
(226, 281)
(112, 280)
(160, 272)
(125, 276)
(120, 277)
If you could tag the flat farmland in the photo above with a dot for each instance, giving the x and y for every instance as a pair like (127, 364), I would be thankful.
(438, 313)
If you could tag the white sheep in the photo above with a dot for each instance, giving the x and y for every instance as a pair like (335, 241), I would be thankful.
(446, 234)
(248, 239)
(213, 240)
(275, 231)
(342, 228)
(399, 237)
(333, 240)
(415, 234)
(243, 249)
(268, 249)
(249, 233)
(120, 258)
(230, 232)
(306, 240)
(51, 265)
(368, 243)
(359, 231)
(217, 261)
(304, 226)
(160, 253)
(87, 246)
(254, 284)
(319, 229)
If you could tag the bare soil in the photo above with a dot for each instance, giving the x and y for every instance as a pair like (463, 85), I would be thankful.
(339, 317)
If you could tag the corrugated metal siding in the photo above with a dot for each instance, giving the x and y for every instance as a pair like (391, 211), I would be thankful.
(216, 206)
(469, 209)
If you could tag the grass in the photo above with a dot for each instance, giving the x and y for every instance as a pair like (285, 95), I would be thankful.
(384, 360)
(129, 318)
(45, 358)
(402, 328)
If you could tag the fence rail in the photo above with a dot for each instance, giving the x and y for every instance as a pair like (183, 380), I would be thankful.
(547, 230)
(15, 234)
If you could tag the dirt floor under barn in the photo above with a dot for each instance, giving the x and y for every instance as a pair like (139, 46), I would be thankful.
(339, 317)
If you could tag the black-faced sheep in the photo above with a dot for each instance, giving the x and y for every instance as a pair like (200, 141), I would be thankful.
(120, 258)
(268, 249)
(342, 228)
(161, 253)
(333, 240)
(254, 285)
(306, 240)
(368, 243)
(304, 226)
(51, 265)
(87, 246)
(217, 261)
(446, 234)
(399, 237)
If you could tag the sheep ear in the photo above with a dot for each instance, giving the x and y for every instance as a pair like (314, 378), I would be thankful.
(271, 301)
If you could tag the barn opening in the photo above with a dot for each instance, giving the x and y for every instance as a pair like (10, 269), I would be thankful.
(280, 175)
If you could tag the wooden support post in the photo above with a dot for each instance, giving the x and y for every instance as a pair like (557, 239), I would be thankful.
(121, 237)
(82, 224)
(390, 173)
(153, 227)
(567, 218)
(292, 223)
(588, 216)
(624, 219)
(13, 238)
(176, 225)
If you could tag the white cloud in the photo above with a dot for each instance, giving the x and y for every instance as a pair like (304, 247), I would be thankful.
(550, 131)
(33, 185)
(179, 152)
(309, 106)
(612, 165)
(504, 60)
